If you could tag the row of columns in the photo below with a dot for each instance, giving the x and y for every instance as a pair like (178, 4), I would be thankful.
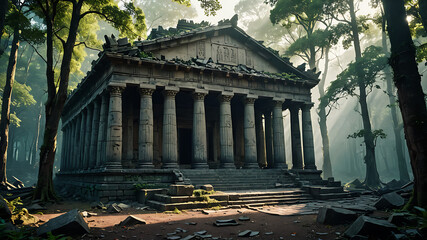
(93, 139)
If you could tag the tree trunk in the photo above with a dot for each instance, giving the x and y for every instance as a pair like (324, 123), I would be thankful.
(36, 143)
(411, 97)
(327, 166)
(372, 178)
(5, 109)
(401, 162)
(3, 10)
(54, 106)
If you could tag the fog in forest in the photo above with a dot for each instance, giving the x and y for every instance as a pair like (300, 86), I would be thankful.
(347, 154)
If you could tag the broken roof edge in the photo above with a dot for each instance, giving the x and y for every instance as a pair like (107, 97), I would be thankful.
(230, 26)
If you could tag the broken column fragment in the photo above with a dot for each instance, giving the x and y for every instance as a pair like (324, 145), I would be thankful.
(70, 223)
(334, 216)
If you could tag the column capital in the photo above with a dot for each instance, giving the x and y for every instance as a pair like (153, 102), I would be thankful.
(250, 99)
(200, 94)
(307, 106)
(116, 90)
(278, 102)
(226, 96)
(146, 91)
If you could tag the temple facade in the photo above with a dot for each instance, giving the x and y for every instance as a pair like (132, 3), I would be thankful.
(207, 98)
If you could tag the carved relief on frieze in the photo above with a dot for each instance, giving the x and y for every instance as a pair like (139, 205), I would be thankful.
(226, 54)
(201, 49)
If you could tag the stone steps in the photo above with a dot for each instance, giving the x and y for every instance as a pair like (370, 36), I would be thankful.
(164, 202)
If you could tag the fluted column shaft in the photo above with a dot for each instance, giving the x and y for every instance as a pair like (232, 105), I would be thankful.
(278, 136)
(226, 132)
(307, 136)
(94, 134)
(296, 138)
(260, 140)
(199, 148)
(250, 134)
(63, 148)
(71, 144)
(102, 131)
(82, 140)
(169, 135)
(88, 136)
(146, 134)
(76, 153)
(114, 129)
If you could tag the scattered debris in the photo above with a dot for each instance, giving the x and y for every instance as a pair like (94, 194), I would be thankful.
(123, 206)
(191, 223)
(335, 216)
(402, 219)
(244, 218)
(389, 201)
(132, 220)
(114, 208)
(227, 222)
(370, 227)
(207, 187)
(245, 233)
(71, 222)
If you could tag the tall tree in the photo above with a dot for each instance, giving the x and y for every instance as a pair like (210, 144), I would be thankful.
(411, 97)
(341, 10)
(21, 26)
(310, 48)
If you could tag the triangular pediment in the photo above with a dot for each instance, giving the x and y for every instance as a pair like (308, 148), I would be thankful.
(225, 46)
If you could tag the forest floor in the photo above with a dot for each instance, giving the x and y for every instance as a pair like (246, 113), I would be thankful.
(272, 222)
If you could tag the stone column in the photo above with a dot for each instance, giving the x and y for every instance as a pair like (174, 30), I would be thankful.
(63, 148)
(296, 137)
(114, 129)
(71, 144)
(260, 138)
(102, 131)
(76, 152)
(200, 147)
(82, 144)
(88, 135)
(268, 139)
(94, 134)
(169, 135)
(226, 132)
(249, 133)
(278, 136)
(307, 136)
(146, 134)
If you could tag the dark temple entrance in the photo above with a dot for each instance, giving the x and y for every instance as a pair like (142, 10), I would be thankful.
(184, 145)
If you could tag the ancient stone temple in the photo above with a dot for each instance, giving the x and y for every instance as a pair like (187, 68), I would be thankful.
(192, 99)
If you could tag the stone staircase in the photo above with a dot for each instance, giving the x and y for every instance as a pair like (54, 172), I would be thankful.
(253, 198)
(239, 179)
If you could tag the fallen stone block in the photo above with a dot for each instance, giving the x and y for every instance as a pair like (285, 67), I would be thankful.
(227, 222)
(5, 212)
(114, 208)
(245, 233)
(244, 218)
(207, 187)
(132, 220)
(402, 219)
(335, 216)
(389, 201)
(367, 226)
(181, 190)
(70, 223)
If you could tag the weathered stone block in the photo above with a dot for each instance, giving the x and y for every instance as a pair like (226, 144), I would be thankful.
(335, 216)
(70, 223)
(389, 201)
(372, 227)
(207, 187)
(181, 190)
(132, 220)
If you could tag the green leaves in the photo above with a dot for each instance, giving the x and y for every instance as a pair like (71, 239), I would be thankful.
(371, 63)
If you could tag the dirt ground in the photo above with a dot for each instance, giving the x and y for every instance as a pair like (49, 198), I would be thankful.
(104, 225)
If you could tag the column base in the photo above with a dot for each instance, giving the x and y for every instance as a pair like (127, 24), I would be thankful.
(200, 166)
(228, 166)
(170, 166)
(113, 166)
(313, 167)
(297, 168)
(281, 166)
(145, 166)
(251, 165)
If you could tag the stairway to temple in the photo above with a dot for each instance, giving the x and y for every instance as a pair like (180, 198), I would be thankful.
(239, 179)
